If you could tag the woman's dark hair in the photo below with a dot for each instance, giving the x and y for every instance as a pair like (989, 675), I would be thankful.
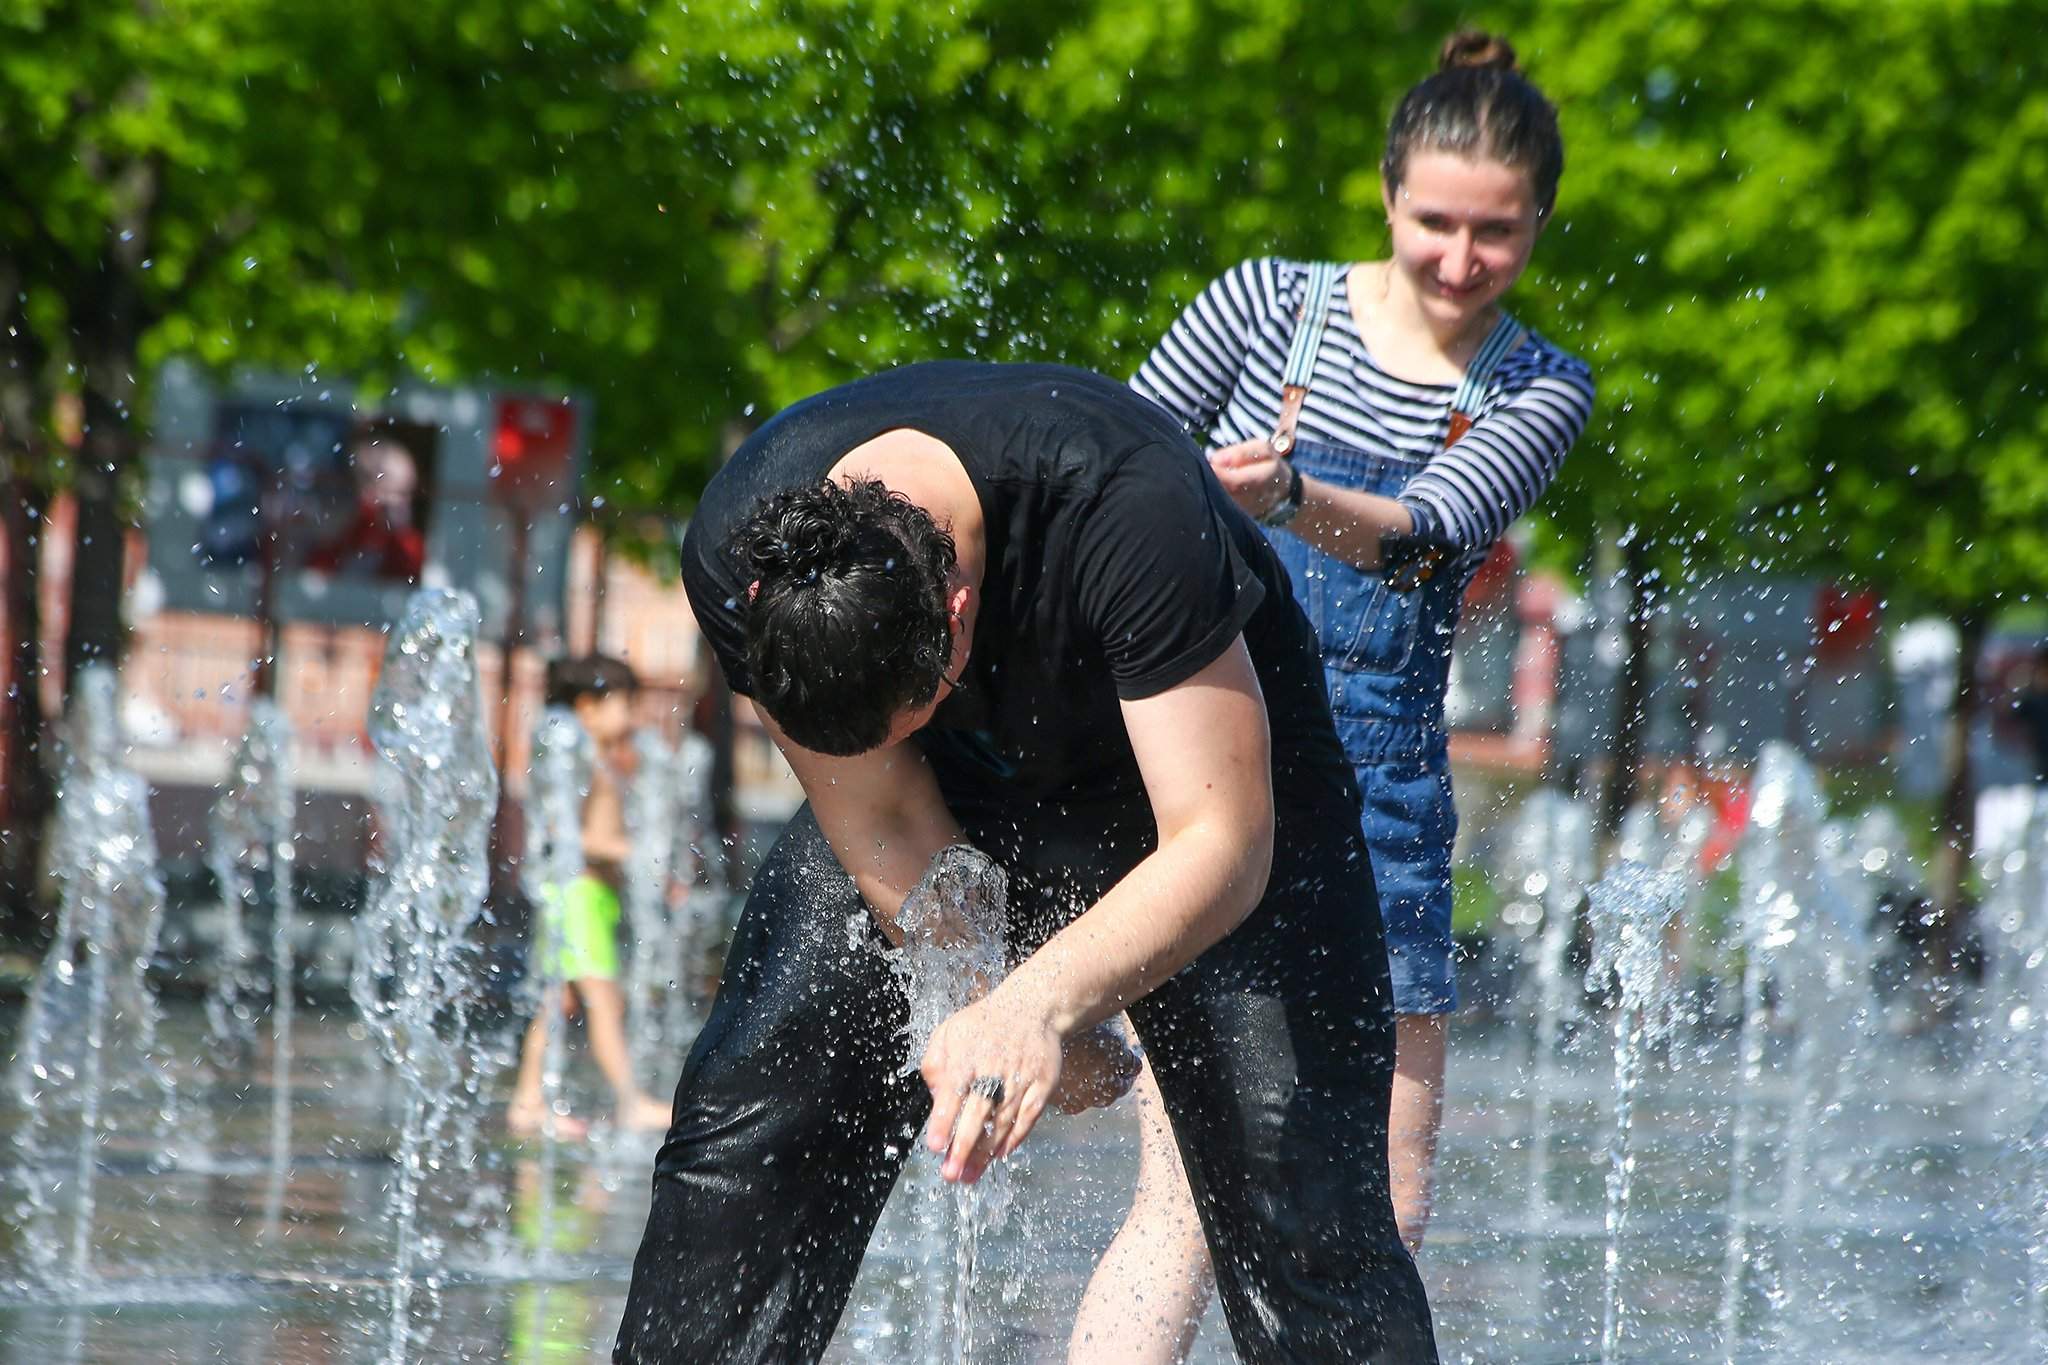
(847, 626)
(590, 675)
(1478, 104)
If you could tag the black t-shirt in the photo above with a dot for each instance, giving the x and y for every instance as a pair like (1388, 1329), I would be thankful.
(1116, 568)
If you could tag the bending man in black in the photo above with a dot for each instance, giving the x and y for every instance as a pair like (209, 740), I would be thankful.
(1009, 605)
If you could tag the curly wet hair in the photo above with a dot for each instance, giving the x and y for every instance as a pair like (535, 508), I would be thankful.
(847, 626)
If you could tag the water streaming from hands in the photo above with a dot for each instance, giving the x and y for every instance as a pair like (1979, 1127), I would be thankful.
(953, 954)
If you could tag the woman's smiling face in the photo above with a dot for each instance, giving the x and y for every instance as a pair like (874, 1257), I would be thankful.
(1462, 229)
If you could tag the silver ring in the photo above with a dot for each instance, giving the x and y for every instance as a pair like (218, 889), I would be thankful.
(989, 1088)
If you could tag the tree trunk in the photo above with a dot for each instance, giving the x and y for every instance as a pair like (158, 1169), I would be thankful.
(24, 777)
(1948, 933)
(95, 632)
(25, 791)
(109, 316)
(1632, 689)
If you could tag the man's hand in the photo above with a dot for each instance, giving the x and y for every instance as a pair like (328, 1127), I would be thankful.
(991, 1068)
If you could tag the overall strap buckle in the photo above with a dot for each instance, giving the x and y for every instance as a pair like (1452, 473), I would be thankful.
(1309, 325)
(1282, 439)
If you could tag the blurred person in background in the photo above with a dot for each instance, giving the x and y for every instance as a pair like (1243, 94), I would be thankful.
(381, 538)
(581, 920)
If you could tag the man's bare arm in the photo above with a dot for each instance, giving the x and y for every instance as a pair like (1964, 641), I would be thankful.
(1204, 752)
(882, 813)
(1205, 755)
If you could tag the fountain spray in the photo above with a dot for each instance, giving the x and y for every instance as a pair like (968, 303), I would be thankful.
(250, 836)
(89, 1034)
(415, 975)
(1630, 910)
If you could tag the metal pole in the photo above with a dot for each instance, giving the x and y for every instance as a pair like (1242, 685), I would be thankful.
(264, 683)
(508, 829)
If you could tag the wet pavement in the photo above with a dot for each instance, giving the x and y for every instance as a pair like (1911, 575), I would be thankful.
(1914, 1246)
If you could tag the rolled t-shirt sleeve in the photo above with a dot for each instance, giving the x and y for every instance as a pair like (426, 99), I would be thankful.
(1159, 580)
(714, 594)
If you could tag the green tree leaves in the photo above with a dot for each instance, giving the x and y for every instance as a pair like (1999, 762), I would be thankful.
(1795, 241)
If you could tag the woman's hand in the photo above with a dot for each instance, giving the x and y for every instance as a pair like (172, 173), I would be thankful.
(1252, 474)
(991, 1067)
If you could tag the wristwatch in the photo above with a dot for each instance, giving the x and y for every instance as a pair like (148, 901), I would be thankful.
(1282, 512)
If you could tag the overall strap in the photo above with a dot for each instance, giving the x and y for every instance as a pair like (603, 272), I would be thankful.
(1309, 326)
(1505, 336)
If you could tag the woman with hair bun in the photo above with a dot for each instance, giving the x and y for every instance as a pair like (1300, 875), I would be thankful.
(1385, 421)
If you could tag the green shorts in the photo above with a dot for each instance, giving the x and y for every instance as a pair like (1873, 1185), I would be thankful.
(585, 931)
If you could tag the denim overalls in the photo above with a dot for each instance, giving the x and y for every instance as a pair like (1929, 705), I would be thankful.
(1386, 643)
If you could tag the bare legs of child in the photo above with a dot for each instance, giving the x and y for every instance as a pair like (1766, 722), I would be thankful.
(1145, 1302)
(604, 1021)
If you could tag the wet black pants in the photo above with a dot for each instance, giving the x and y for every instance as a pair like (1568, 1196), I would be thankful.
(1273, 1050)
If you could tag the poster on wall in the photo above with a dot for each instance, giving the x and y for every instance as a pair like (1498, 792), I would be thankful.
(339, 508)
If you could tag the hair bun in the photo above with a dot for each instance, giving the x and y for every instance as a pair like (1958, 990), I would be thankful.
(1476, 48)
(796, 539)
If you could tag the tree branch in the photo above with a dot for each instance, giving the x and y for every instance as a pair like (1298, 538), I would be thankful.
(220, 243)
(842, 228)
(787, 327)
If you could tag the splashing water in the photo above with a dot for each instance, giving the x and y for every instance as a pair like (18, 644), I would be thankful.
(1668, 840)
(2012, 1040)
(415, 976)
(559, 782)
(250, 849)
(1550, 857)
(89, 1034)
(1801, 931)
(952, 955)
(700, 873)
(239, 840)
(2015, 919)
(1630, 910)
(1832, 1001)
(654, 810)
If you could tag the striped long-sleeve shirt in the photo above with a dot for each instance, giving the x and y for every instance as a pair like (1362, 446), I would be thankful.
(1218, 371)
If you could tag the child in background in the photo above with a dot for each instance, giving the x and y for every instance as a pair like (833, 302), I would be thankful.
(586, 913)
